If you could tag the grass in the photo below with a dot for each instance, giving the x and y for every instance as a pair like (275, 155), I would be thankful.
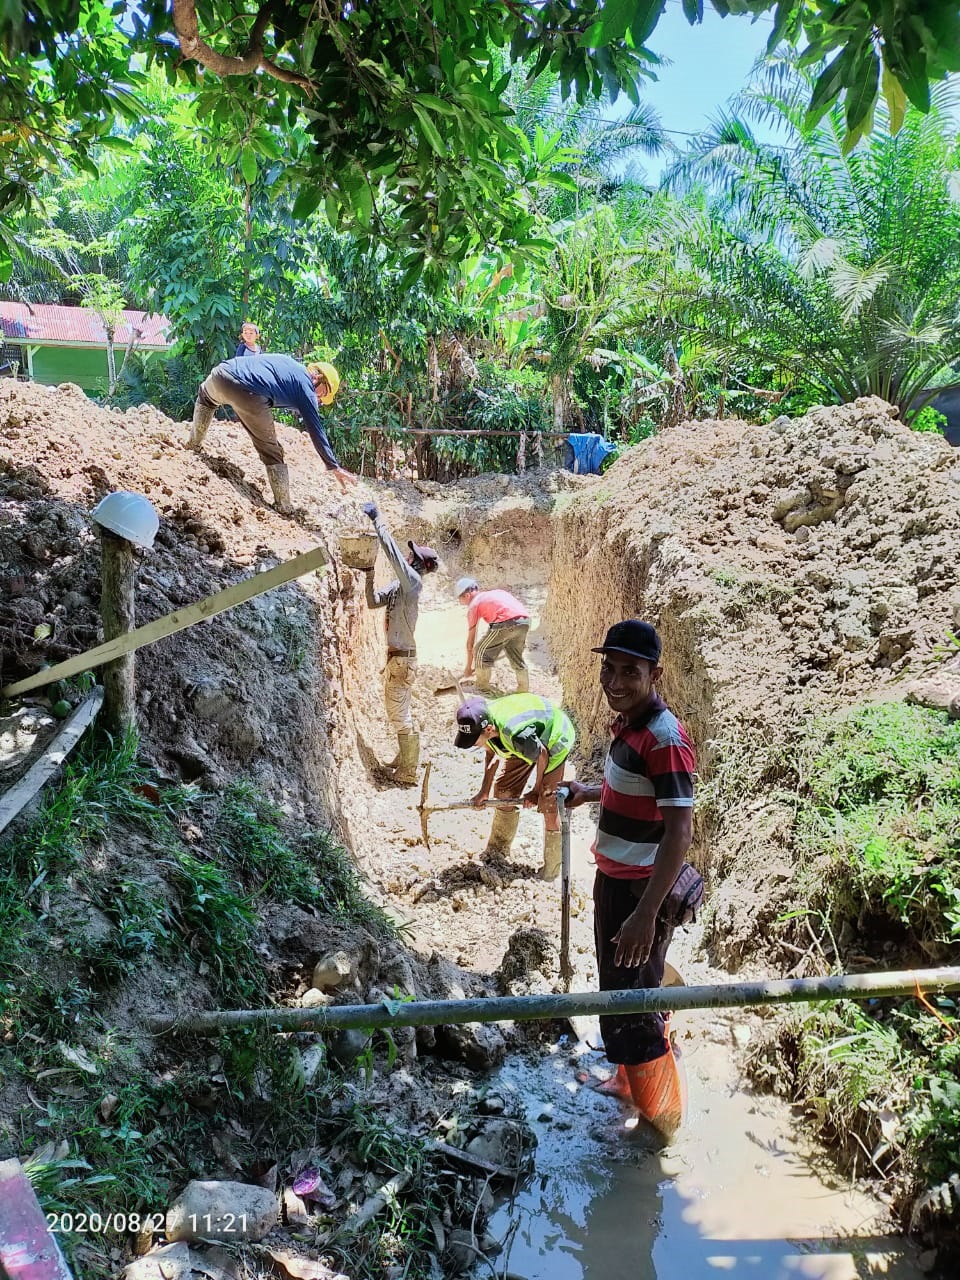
(876, 833)
(878, 827)
(117, 873)
(747, 593)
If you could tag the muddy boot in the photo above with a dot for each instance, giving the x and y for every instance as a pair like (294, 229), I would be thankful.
(202, 417)
(551, 855)
(502, 831)
(523, 681)
(279, 477)
(484, 676)
(406, 773)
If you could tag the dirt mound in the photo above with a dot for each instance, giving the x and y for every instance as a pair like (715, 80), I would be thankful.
(792, 569)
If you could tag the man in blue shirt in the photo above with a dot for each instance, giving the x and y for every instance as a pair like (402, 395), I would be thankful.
(255, 385)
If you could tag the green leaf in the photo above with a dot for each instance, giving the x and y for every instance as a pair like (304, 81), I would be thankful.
(306, 203)
(693, 10)
(896, 99)
(429, 130)
(828, 86)
(436, 104)
(862, 93)
(907, 60)
(614, 20)
(248, 164)
(646, 16)
(786, 24)
(364, 205)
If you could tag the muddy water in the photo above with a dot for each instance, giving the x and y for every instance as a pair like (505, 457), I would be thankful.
(737, 1194)
(740, 1192)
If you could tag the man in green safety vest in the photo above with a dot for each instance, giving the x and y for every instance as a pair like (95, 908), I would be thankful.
(524, 733)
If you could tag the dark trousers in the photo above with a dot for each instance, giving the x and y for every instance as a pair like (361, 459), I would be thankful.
(635, 1037)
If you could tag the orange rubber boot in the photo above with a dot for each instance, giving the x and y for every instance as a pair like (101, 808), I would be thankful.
(659, 1091)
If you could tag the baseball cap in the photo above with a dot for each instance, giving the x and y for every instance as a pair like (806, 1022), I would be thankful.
(426, 554)
(634, 637)
(465, 584)
(471, 721)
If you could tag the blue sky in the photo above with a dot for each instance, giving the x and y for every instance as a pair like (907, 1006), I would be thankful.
(709, 63)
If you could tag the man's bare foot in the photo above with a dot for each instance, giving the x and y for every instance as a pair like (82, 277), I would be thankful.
(618, 1085)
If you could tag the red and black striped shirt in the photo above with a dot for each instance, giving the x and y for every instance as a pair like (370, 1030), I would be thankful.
(650, 766)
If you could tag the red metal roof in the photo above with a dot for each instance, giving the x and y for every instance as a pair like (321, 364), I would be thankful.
(77, 326)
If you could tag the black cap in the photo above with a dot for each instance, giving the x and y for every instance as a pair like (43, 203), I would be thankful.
(634, 637)
(471, 722)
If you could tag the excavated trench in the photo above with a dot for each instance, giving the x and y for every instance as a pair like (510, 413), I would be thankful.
(742, 1190)
(733, 538)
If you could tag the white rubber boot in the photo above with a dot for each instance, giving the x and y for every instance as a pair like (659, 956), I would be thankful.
(483, 677)
(279, 476)
(406, 773)
(523, 681)
(503, 830)
(552, 855)
(202, 417)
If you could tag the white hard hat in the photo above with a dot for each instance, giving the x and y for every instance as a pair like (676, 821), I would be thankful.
(465, 584)
(130, 515)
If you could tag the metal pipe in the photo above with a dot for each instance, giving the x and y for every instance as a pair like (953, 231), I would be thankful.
(430, 1013)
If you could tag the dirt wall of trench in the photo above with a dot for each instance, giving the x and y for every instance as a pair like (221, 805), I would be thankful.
(793, 569)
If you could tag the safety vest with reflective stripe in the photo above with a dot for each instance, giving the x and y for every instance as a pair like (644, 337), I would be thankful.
(519, 711)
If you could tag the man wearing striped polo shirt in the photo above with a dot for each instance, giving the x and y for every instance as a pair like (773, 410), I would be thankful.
(644, 830)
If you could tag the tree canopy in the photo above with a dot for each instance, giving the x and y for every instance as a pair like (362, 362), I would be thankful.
(404, 132)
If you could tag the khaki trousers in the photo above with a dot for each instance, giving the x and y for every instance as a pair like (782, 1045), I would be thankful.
(253, 411)
(398, 680)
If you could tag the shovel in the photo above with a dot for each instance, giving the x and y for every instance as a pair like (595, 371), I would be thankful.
(566, 968)
(455, 685)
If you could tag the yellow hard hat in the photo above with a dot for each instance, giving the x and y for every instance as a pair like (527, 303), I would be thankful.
(332, 377)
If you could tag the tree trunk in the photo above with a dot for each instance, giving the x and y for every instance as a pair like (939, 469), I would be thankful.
(433, 369)
(561, 400)
(676, 404)
(248, 245)
(126, 356)
(111, 361)
(118, 611)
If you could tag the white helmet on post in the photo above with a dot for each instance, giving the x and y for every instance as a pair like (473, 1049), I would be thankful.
(130, 516)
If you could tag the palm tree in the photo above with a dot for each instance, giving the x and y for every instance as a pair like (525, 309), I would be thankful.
(604, 150)
(843, 266)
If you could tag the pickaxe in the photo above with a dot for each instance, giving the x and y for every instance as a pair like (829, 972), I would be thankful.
(425, 809)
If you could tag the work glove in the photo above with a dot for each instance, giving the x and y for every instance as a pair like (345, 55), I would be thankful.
(370, 510)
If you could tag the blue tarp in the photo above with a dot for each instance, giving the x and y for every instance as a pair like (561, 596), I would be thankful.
(587, 452)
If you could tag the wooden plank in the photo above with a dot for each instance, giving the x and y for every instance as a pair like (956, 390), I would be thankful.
(160, 628)
(23, 791)
(28, 1251)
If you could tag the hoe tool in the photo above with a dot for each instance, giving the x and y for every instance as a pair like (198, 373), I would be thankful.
(425, 809)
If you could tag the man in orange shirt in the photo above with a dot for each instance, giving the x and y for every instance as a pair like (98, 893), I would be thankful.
(508, 624)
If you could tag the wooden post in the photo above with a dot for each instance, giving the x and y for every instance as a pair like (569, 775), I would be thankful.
(118, 611)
